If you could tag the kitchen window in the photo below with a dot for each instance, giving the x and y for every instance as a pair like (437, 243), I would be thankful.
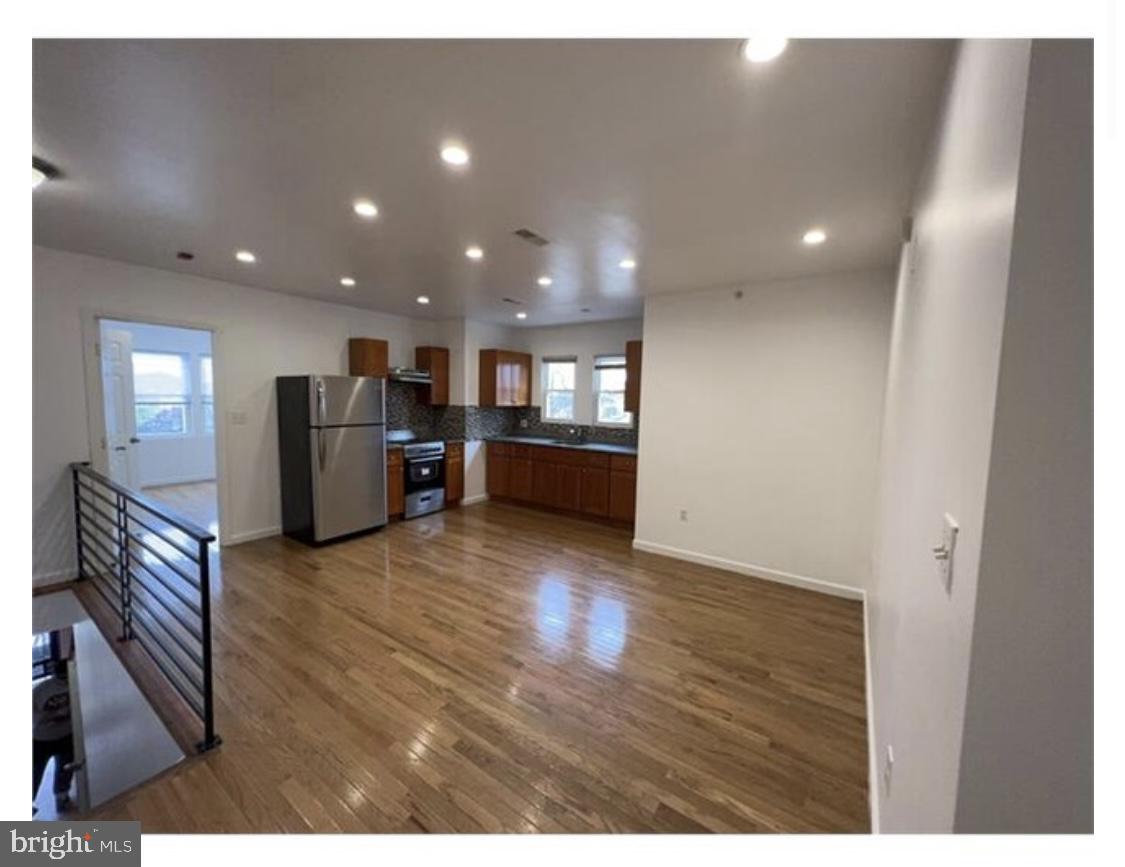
(161, 394)
(609, 391)
(558, 388)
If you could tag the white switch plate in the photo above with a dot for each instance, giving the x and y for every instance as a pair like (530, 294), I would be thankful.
(949, 543)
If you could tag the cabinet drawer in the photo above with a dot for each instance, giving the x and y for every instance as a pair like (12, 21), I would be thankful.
(499, 449)
(623, 463)
(521, 451)
(394, 457)
(595, 460)
(454, 450)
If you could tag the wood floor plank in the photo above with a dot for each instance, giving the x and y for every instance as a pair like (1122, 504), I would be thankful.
(496, 669)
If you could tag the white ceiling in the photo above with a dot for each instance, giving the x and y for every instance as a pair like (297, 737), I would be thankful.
(704, 168)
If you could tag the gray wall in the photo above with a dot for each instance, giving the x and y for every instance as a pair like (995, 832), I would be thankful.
(1027, 751)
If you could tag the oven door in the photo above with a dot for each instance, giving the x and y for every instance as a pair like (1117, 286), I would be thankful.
(424, 473)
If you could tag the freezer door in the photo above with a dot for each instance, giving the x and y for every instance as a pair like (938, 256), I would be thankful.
(349, 480)
(344, 400)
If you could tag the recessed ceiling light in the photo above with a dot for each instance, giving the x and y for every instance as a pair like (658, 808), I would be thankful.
(521, 315)
(544, 281)
(365, 208)
(628, 264)
(423, 299)
(347, 281)
(763, 49)
(815, 236)
(474, 252)
(37, 176)
(246, 256)
(455, 154)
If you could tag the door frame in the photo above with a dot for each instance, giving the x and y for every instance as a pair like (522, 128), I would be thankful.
(95, 398)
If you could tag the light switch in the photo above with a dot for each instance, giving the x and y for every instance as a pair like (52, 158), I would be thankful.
(944, 553)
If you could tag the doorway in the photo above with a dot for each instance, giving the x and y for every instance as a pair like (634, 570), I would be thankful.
(158, 405)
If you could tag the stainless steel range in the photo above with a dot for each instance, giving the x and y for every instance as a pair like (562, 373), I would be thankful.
(424, 471)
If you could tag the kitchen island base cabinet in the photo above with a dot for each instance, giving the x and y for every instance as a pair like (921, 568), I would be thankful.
(578, 481)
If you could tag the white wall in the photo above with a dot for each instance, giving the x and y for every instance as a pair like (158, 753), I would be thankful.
(584, 342)
(760, 416)
(937, 437)
(1027, 754)
(178, 459)
(259, 335)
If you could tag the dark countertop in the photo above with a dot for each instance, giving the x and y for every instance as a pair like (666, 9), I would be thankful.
(609, 448)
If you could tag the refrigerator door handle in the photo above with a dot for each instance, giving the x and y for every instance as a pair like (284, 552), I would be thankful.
(321, 402)
(320, 446)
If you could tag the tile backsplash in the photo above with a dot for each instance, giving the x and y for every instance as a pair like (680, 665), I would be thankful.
(408, 417)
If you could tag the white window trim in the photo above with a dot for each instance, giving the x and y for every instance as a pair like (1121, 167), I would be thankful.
(566, 359)
(625, 425)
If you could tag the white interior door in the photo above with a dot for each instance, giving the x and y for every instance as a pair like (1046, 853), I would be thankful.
(120, 420)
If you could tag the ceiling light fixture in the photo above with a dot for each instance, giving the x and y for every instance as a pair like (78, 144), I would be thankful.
(474, 252)
(347, 281)
(815, 236)
(544, 281)
(246, 256)
(454, 154)
(423, 299)
(365, 208)
(521, 315)
(628, 264)
(763, 49)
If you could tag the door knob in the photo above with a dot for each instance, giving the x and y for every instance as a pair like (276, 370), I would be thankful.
(119, 448)
(134, 440)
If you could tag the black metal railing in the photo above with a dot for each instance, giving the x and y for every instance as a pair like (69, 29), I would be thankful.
(152, 567)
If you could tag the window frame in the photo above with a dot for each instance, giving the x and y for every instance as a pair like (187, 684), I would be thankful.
(573, 392)
(184, 400)
(599, 365)
(206, 400)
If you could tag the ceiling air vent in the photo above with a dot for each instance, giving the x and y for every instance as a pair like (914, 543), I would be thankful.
(531, 237)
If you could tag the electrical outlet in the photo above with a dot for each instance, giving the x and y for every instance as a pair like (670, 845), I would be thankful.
(944, 552)
(523, 422)
(683, 514)
(888, 768)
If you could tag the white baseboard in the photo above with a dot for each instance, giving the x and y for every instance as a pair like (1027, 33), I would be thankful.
(249, 536)
(473, 500)
(803, 581)
(58, 576)
(872, 759)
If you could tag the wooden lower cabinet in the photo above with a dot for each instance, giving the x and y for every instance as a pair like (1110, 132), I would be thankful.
(595, 484)
(396, 484)
(595, 491)
(454, 473)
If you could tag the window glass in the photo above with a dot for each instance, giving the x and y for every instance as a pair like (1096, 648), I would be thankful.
(162, 393)
(207, 394)
(609, 391)
(558, 388)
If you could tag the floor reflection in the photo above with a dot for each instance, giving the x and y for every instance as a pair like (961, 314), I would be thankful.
(607, 622)
(552, 616)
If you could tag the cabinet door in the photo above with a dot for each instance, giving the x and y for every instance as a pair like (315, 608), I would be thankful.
(568, 490)
(595, 491)
(367, 357)
(633, 376)
(544, 483)
(396, 486)
(497, 474)
(435, 359)
(520, 479)
(622, 495)
(454, 479)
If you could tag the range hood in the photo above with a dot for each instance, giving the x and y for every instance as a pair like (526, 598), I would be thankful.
(410, 374)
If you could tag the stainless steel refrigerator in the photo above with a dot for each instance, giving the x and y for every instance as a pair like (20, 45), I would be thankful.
(332, 442)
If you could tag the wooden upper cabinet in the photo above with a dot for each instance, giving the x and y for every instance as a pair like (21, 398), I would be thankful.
(367, 356)
(505, 378)
(435, 359)
(633, 376)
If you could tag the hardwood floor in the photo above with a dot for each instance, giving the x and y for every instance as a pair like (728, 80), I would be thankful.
(498, 669)
(196, 501)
